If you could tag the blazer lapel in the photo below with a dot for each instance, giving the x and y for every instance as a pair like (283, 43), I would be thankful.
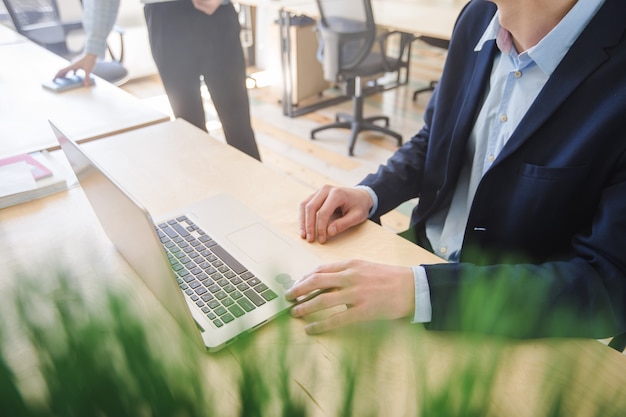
(468, 111)
(585, 56)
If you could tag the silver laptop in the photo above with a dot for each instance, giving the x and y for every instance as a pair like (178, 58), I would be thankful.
(216, 266)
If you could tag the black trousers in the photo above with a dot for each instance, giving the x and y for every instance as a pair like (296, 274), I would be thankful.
(188, 44)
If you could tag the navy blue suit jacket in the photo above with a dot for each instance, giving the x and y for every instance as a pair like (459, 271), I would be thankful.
(544, 251)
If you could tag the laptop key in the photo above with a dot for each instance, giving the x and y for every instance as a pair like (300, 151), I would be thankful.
(246, 304)
(236, 310)
(254, 297)
(227, 257)
(170, 232)
(269, 295)
(180, 229)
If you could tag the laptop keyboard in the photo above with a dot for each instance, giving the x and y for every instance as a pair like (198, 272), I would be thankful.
(221, 287)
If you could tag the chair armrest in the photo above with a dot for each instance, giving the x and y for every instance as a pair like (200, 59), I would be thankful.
(120, 31)
(405, 42)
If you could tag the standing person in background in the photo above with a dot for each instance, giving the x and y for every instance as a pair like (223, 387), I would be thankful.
(189, 39)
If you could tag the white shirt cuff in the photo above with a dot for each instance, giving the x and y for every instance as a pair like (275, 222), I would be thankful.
(423, 307)
(374, 198)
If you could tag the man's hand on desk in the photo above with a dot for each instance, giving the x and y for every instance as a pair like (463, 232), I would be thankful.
(332, 210)
(370, 291)
(87, 62)
(207, 6)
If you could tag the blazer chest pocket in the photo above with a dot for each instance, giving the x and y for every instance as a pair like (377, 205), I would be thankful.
(549, 192)
(569, 175)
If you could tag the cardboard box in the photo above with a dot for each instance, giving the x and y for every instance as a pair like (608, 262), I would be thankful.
(306, 70)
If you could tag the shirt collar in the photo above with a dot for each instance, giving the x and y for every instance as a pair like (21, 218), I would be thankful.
(549, 52)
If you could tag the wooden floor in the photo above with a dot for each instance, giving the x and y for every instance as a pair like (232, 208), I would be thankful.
(284, 142)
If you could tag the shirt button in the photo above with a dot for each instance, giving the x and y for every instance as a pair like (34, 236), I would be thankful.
(504, 118)
(443, 250)
(517, 74)
(491, 158)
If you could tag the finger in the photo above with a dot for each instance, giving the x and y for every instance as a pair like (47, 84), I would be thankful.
(302, 217)
(326, 269)
(311, 213)
(343, 223)
(86, 80)
(326, 215)
(314, 281)
(320, 302)
(332, 322)
(62, 72)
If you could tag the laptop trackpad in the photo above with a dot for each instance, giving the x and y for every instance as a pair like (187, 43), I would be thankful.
(259, 243)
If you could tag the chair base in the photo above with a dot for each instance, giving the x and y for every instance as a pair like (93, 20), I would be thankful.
(431, 87)
(357, 123)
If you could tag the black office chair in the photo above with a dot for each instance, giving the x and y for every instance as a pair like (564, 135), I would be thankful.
(351, 49)
(40, 21)
(439, 43)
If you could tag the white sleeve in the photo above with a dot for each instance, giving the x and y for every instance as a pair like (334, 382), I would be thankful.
(98, 19)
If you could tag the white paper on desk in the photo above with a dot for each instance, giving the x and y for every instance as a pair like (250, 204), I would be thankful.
(16, 178)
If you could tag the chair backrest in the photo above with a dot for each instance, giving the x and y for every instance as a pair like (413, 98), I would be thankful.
(39, 21)
(347, 31)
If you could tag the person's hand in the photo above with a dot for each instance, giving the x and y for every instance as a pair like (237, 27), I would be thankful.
(370, 291)
(207, 6)
(332, 210)
(87, 63)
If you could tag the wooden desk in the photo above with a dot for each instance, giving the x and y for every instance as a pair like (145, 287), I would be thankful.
(8, 35)
(87, 113)
(434, 18)
(409, 363)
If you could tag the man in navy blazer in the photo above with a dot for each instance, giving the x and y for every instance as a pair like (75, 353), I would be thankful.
(531, 191)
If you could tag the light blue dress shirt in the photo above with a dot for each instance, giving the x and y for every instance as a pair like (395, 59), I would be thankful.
(516, 80)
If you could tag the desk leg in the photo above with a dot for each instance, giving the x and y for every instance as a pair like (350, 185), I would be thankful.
(247, 33)
(284, 23)
(289, 109)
